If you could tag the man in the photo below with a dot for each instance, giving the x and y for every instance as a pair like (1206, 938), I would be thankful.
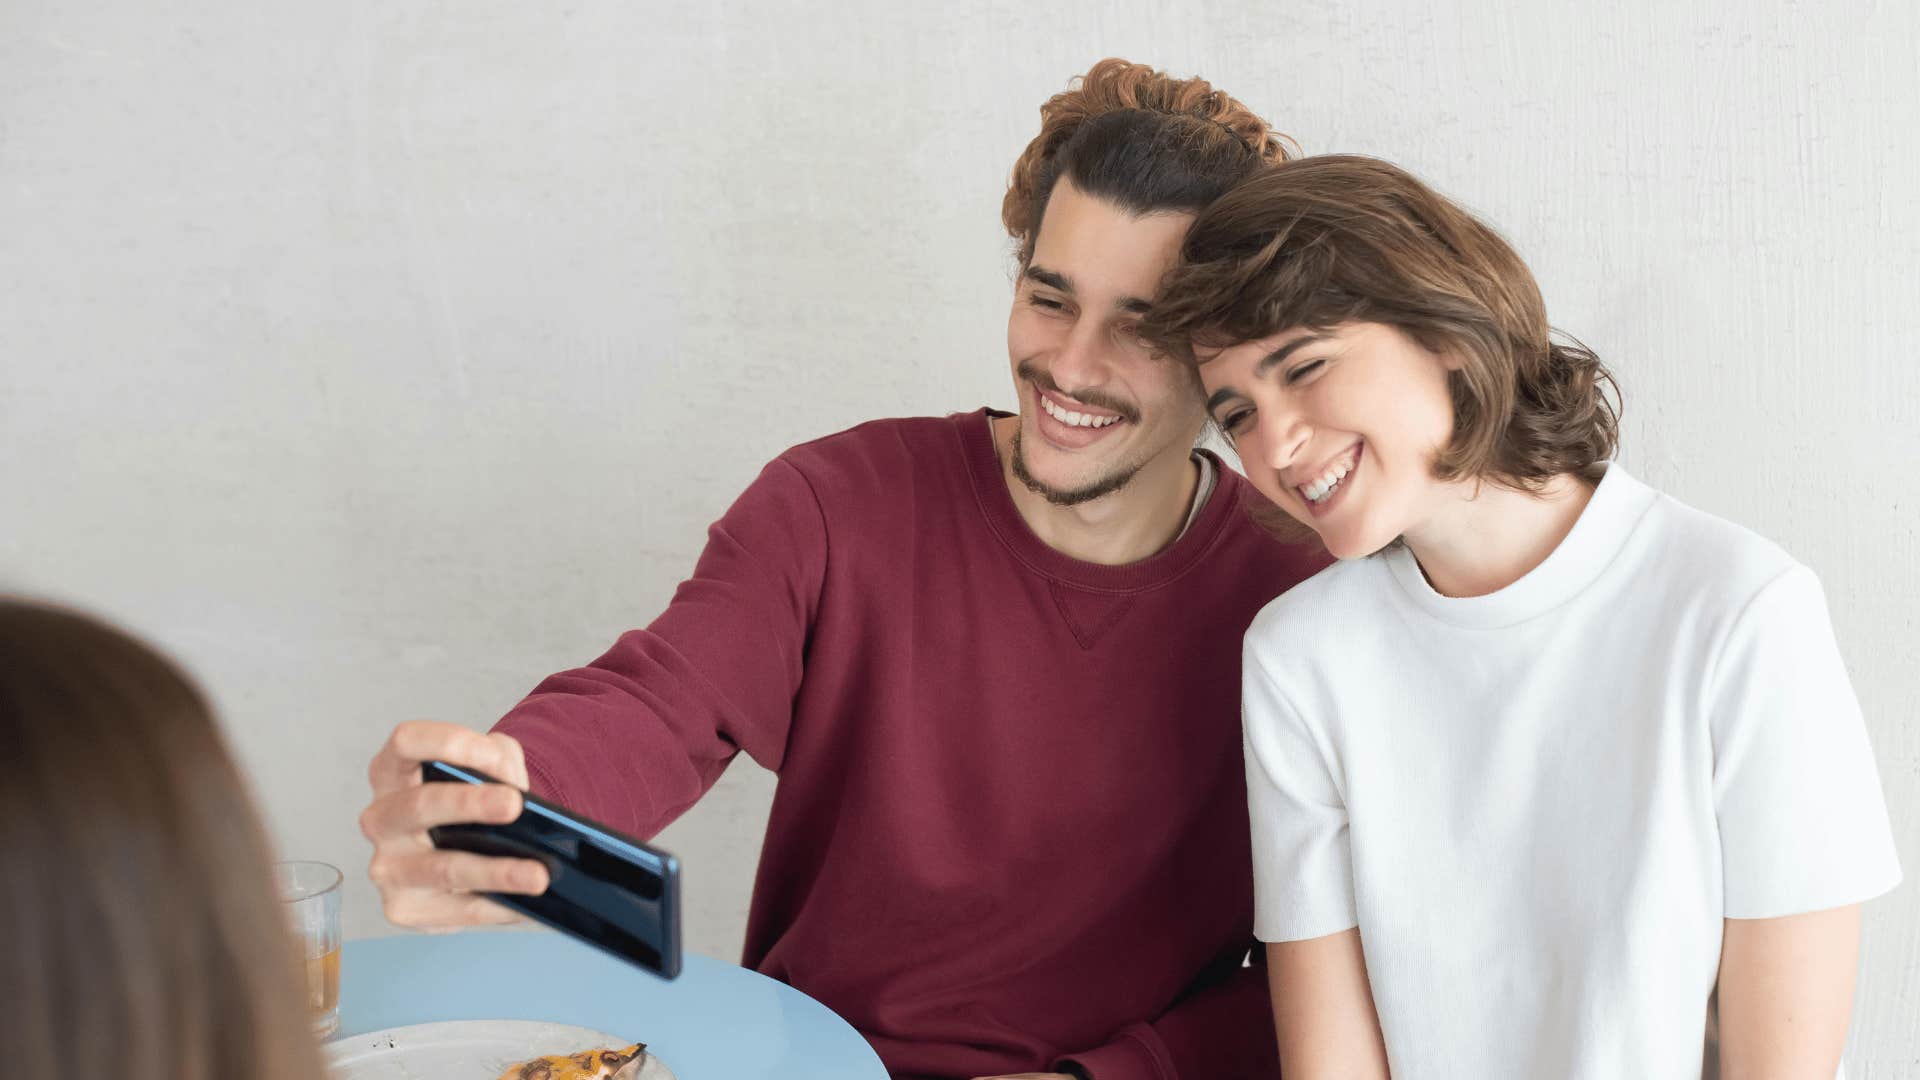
(993, 658)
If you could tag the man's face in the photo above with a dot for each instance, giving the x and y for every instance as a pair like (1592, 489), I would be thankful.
(1096, 405)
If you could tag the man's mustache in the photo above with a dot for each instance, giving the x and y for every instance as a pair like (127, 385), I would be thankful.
(1095, 398)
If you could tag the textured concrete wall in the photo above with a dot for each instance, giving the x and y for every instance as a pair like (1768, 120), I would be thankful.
(379, 358)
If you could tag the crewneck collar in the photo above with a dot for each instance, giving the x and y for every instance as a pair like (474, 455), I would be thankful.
(975, 430)
(1615, 508)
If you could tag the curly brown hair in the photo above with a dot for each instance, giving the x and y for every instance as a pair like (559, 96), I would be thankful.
(1333, 239)
(1138, 138)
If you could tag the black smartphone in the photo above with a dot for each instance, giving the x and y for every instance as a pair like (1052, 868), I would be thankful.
(607, 889)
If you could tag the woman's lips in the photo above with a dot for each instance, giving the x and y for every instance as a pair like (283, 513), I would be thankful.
(1338, 495)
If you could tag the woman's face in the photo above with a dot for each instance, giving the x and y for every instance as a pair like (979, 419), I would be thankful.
(1338, 427)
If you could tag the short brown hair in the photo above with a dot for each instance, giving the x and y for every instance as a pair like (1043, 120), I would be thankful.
(1140, 139)
(1325, 240)
(143, 934)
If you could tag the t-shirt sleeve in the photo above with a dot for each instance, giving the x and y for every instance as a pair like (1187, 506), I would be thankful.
(1302, 865)
(1803, 823)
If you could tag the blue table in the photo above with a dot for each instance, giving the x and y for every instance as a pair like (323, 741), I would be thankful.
(717, 1021)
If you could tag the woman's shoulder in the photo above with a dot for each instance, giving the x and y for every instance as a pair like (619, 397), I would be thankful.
(1695, 552)
(1349, 589)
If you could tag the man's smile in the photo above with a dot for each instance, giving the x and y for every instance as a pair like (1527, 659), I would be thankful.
(1073, 425)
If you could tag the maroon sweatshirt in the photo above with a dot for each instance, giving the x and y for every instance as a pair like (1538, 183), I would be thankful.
(1010, 829)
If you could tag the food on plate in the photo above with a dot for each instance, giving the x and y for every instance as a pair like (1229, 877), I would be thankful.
(585, 1065)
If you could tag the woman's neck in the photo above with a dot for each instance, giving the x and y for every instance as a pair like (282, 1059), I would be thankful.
(1484, 537)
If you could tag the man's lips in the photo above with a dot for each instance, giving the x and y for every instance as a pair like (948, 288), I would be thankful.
(1070, 406)
(1070, 436)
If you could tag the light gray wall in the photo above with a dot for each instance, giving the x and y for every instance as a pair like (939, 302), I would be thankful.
(379, 358)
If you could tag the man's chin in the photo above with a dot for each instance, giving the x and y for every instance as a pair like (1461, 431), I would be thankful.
(1071, 494)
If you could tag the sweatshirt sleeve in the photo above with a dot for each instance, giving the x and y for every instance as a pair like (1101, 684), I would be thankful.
(1221, 1032)
(637, 736)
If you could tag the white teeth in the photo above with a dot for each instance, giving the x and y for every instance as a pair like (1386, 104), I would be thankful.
(1320, 489)
(1076, 419)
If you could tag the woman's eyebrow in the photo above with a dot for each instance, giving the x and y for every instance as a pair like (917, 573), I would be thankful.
(1221, 397)
(1279, 355)
(1267, 363)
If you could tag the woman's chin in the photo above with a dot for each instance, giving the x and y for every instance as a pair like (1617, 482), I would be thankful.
(1337, 549)
(1349, 543)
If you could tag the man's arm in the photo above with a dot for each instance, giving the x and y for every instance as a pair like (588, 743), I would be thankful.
(1786, 994)
(636, 737)
(1221, 1031)
(632, 739)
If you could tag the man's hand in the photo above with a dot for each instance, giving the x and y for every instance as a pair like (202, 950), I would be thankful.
(423, 887)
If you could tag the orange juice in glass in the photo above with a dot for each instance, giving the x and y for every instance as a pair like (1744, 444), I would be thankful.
(310, 893)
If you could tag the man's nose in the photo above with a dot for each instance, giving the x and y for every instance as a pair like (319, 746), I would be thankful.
(1083, 359)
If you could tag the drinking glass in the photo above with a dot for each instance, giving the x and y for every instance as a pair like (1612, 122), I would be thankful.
(310, 893)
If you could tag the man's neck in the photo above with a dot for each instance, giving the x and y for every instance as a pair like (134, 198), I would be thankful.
(1129, 525)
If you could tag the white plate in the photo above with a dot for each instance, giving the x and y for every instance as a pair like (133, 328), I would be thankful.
(466, 1050)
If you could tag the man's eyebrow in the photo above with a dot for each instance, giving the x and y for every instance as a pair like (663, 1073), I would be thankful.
(1279, 355)
(1052, 279)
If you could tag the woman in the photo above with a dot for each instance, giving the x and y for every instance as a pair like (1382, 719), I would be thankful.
(143, 936)
(1548, 757)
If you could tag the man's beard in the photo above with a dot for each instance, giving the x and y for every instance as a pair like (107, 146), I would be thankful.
(1106, 485)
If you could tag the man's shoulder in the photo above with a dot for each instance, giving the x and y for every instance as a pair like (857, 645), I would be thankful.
(1245, 546)
(879, 455)
(888, 435)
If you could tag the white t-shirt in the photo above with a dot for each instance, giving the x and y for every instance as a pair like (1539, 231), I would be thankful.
(1538, 805)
